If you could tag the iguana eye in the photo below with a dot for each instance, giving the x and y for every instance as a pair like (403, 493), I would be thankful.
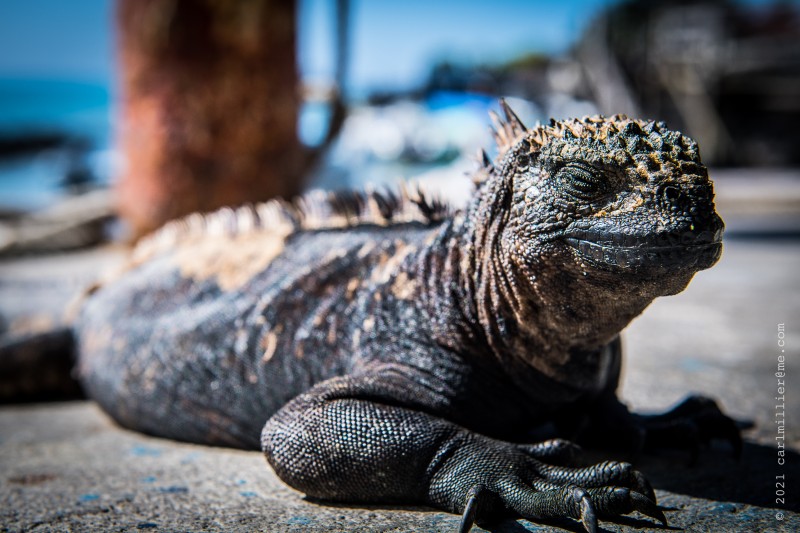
(581, 181)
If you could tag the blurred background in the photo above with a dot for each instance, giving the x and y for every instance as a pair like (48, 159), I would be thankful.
(136, 106)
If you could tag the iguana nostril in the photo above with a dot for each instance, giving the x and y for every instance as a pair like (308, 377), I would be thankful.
(671, 194)
(674, 200)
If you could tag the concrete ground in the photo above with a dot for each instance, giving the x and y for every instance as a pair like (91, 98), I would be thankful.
(66, 466)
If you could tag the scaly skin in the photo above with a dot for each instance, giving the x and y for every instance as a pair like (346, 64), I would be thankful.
(401, 357)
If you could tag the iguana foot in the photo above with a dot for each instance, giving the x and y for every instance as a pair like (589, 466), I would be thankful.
(694, 422)
(609, 489)
(524, 486)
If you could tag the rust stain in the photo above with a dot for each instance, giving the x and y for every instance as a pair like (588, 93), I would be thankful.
(352, 285)
(32, 479)
(331, 337)
(388, 264)
(365, 250)
(627, 207)
(403, 287)
(269, 343)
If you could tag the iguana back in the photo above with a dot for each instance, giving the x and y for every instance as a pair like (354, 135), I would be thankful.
(219, 322)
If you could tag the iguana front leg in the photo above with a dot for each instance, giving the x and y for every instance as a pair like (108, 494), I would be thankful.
(372, 438)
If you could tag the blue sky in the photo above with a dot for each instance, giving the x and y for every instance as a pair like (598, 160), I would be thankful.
(393, 41)
(56, 39)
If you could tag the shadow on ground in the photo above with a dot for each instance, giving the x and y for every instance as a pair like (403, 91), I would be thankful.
(718, 476)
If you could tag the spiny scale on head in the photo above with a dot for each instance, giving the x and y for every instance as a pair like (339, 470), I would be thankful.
(646, 136)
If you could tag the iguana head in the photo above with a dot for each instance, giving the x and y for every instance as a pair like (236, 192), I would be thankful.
(611, 199)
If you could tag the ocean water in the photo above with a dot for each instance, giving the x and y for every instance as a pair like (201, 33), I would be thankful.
(30, 107)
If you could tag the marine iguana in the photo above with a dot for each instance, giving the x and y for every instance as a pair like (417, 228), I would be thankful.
(387, 348)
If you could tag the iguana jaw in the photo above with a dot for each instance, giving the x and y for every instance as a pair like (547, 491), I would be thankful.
(662, 252)
(695, 257)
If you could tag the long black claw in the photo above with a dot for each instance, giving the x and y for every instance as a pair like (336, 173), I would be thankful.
(647, 507)
(588, 515)
(468, 518)
(642, 486)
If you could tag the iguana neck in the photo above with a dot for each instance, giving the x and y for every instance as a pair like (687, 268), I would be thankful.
(539, 315)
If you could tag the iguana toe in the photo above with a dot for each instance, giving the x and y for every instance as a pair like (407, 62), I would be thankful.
(554, 452)
(616, 501)
(566, 501)
(607, 473)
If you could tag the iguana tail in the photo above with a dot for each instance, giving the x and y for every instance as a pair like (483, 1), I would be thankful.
(38, 367)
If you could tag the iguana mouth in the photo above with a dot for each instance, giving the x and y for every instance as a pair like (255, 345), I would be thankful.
(689, 249)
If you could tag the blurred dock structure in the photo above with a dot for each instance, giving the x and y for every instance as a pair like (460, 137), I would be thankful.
(723, 73)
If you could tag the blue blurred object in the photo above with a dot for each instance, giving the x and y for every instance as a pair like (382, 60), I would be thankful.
(54, 135)
(42, 105)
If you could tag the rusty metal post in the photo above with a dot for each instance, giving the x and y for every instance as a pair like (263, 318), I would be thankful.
(209, 106)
